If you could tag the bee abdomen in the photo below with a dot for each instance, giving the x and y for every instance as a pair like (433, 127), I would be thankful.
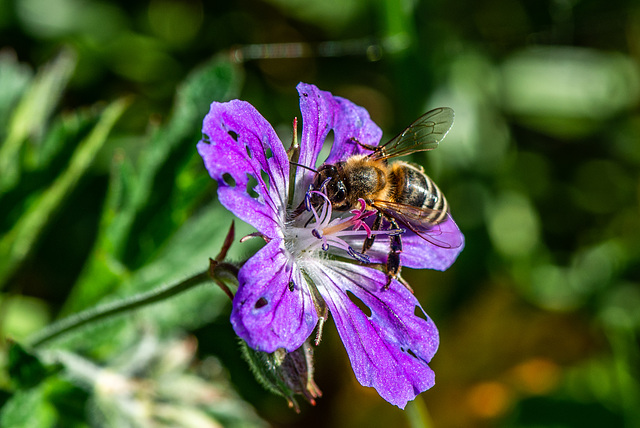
(415, 188)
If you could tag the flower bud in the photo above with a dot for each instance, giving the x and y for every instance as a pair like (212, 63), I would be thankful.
(285, 373)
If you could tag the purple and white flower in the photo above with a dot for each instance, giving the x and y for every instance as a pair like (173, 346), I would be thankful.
(310, 262)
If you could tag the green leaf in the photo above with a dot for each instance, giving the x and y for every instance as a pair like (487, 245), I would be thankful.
(62, 137)
(19, 241)
(148, 202)
(30, 117)
(25, 369)
(27, 409)
(53, 403)
(186, 253)
(22, 316)
(14, 78)
(44, 161)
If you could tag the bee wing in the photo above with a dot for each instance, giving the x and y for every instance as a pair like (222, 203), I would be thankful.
(423, 134)
(419, 221)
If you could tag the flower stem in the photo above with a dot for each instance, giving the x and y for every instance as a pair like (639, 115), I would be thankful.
(106, 310)
(217, 271)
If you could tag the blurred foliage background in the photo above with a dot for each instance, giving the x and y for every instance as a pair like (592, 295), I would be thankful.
(102, 196)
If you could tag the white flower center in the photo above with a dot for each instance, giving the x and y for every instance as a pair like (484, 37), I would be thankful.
(307, 236)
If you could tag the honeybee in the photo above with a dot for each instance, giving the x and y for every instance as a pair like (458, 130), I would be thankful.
(400, 192)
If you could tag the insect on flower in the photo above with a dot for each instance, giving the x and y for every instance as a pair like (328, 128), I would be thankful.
(399, 192)
(310, 265)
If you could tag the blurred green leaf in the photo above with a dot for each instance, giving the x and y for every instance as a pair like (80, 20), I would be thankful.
(514, 225)
(186, 253)
(30, 117)
(331, 15)
(43, 162)
(19, 241)
(53, 403)
(63, 135)
(418, 414)
(151, 382)
(22, 315)
(148, 202)
(568, 91)
(28, 409)
(25, 369)
(57, 18)
(14, 78)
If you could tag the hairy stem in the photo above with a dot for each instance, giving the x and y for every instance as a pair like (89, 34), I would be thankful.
(128, 304)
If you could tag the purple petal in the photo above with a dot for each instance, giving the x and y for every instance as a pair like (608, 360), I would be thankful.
(390, 349)
(321, 113)
(318, 112)
(240, 142)
(266, 313)
(352, 121)
(420, 254)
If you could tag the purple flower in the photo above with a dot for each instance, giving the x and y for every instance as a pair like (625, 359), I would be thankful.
(288, 286)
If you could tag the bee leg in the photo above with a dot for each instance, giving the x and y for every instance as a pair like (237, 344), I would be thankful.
(377, 223)
(393, 259)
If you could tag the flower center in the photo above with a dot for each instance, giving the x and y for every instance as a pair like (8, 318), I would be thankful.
(321, 232)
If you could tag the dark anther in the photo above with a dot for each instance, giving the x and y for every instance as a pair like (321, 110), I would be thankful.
(362, 258)
(396, 232)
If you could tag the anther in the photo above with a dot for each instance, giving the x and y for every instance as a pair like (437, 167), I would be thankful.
(396, 232)
(363, 258)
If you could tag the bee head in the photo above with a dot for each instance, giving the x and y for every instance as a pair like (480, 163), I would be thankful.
(328, 180)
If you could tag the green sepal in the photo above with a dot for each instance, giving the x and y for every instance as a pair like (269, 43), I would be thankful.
(284, 373)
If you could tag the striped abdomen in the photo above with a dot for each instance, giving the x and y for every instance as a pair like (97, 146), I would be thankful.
(413, 187)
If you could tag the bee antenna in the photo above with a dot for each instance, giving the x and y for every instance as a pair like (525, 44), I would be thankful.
(303, 166)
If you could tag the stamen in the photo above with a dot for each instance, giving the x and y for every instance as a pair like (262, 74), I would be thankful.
(323, 232)
(396, 232)
(359, 215)
(307, 198)
(358, 256)
(324, 183)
